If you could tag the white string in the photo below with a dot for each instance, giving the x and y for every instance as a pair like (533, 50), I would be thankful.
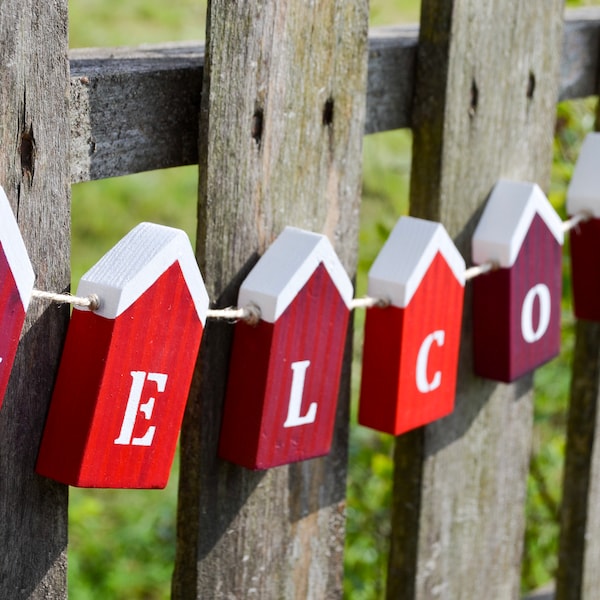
(92, 301)
(369, 302)
(576, 219)
(478, 270)
(251, 314)
(233, 314)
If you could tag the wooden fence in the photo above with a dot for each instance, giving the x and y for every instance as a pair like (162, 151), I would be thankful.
(274, 110)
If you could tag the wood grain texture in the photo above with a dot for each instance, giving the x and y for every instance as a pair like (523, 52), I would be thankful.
(391, 83)
(487, 83)
(281, 130)
(34, 137)
(135, 109)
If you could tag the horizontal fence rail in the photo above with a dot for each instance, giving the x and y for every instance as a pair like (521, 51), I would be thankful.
(136, 109)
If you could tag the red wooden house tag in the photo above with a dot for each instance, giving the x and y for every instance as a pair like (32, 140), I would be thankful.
(125, 372)
(16, 283)
(410, 351)
(516, 308)
(583, 195)
(284, 373)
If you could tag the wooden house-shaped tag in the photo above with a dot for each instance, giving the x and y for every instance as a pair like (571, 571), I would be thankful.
(16, 284)
(126, 368)
(284, 372)
(583, 195)
(410, 351)
(516, 307)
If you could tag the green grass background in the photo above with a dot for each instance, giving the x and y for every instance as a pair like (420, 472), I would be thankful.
(122, 542)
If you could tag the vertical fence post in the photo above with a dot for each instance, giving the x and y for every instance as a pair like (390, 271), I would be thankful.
(34, 171)
(484, 108)
(282, 121)
(577, 576)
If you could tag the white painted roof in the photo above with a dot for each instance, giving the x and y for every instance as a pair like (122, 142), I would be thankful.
(15, 251)
(124, 273)
(506, 220)
(406, 257)
(583, 193)
(285, 268)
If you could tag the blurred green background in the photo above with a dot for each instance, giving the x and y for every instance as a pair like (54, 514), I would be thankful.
(122, 542)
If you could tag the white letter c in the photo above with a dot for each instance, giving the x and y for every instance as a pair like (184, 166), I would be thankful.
(423, 385)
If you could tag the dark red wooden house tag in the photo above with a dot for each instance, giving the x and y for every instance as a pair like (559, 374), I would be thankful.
(284, 372)
(583, 195)
(516, 308)
(126, 368)
(16, 283)
(410, 351)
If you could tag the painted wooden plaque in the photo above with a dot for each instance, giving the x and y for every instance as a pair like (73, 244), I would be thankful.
(126, 369)
(516, 308)
(410, 352)
(284, 373)
(583, 195)
(16, 283)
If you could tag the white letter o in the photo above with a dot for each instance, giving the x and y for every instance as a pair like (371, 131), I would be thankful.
(543, 293)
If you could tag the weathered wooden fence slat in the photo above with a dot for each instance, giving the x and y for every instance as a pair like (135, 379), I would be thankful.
(577, 574)
(280, 144)
(578, 551)
(460, 483)
(135, 109)
(34, 171)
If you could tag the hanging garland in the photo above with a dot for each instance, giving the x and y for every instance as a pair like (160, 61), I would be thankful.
(117, 408)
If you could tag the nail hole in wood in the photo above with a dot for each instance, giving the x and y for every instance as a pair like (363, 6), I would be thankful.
(257, 125)
(531, 85)
(27, 151)
(474, 98)
(328, 112)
